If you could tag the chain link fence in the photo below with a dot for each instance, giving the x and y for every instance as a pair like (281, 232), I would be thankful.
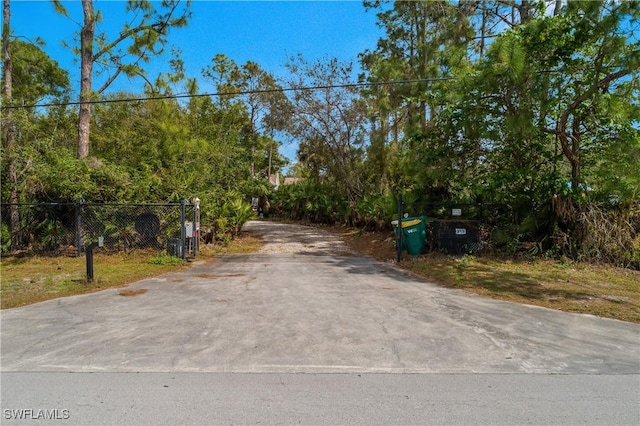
(68, 228)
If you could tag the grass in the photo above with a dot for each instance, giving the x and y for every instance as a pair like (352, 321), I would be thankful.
(28, 280)
(245, 242)
(568, 286)
(600, 290)
(564, 285)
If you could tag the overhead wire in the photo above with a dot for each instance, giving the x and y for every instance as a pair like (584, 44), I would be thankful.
(231, 93)
(238, 92)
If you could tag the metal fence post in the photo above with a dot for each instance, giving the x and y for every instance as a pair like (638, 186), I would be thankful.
(79, 226)
(196, 225)
(399, 229)
(183, 227)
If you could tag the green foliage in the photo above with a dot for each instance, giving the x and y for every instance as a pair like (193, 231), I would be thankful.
(237, 212)
(321, 203)
(165, 259)
(533, 108)
(375, 211)
(5, 238)
(54, 174)
(155, 151)
(224, 212)
(35, 75)
(545, 107)
(310, 201)
(50, 229)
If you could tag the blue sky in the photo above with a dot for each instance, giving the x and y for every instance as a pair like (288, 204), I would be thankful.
(266, 32)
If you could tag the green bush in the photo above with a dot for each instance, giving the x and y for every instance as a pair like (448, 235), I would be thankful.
(165, 259)
(5, 238)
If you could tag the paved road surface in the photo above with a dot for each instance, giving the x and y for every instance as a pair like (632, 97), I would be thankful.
(304, 304)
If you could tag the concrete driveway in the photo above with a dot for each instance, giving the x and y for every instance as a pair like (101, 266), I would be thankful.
(305, 304)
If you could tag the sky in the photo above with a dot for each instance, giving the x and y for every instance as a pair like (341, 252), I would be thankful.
(266, 32)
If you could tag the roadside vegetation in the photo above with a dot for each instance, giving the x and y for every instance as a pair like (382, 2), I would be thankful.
(27, 280)
(529, 109)
(569, 286)
(562, 284)
(566, 285)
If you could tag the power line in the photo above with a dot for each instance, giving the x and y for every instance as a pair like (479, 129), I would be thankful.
(236, 93)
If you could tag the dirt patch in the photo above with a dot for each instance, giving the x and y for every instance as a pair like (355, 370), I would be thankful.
(245, 242)
(379, 245)
(129, 293)
(216, 276)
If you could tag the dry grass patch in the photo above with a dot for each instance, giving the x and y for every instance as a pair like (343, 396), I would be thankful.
(245, 242)
(34, 279)
(29, 280)
(568, 286)
(600, 290)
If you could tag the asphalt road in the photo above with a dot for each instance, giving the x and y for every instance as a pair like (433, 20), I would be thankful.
(226, 341)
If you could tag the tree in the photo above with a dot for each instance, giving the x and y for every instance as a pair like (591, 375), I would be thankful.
(256, 91)
(561, 87)
(423, 40)
(261, 90)
(134, 45)
(329, 122)
(34, 77)
(594, 62)
(9, 131)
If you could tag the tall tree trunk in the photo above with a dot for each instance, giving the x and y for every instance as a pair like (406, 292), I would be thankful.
(525, 12)
(10, 127)
(270, 160)
(252, 137)
(483, 28)
(421, 34)
(558, 8)
(86, 67)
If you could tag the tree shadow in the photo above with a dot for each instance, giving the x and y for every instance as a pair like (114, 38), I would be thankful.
(518, 284)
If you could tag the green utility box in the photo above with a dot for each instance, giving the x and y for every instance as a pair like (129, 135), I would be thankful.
(414, 233)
